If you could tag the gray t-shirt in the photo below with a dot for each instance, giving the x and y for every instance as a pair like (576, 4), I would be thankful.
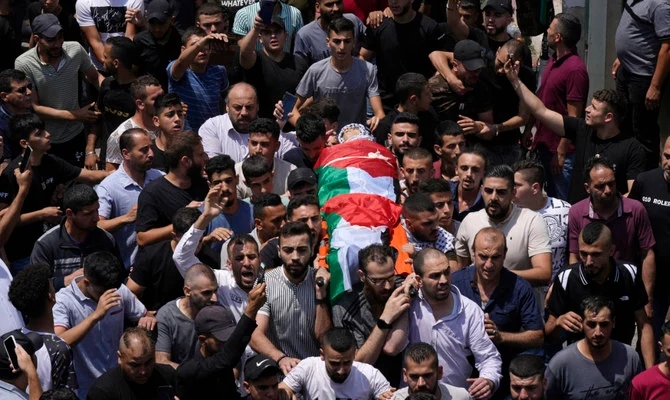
(349, 89)
(310, 41)
(638, 43)
(176, 333)
(570, 375)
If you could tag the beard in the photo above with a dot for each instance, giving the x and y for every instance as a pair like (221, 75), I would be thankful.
(195, 171)
(501, 212)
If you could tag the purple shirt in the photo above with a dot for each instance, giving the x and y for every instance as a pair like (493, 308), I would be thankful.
(563, 80)
(631, 228)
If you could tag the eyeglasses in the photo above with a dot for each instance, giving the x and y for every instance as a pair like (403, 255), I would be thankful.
(24, 89)
(381, 281)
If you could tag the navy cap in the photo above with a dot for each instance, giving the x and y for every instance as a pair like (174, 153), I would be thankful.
(215, 320)
(159, 10)
(46, 25)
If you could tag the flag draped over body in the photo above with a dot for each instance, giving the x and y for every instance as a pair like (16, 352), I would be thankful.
(357, 194)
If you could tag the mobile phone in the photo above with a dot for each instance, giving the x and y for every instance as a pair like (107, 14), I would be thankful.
(267, 8)
(165, 393)
(288, 102)
(261, 276)
(10, 349)
(25, 159)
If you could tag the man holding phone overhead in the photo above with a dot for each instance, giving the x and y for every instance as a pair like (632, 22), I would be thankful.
(272, 71)
(17, 366)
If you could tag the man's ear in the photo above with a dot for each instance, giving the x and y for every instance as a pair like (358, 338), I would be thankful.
(361, 275)
(257, 224)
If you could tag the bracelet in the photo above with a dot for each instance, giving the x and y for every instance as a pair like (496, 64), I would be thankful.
(90, 153)
(498, 126)
(516, 85)
(281, 358)
(320, 301)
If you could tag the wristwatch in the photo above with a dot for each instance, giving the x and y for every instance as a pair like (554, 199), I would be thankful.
(381, 324)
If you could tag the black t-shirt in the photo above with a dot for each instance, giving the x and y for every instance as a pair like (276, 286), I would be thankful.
(45, 178)
(160, 199)
(71, 31)
(271, 79)
(116, 105)
(10, 43)
(155, 270)
(113, 385)
(156, 54)
(653, 191)
(402, 48)
(427, 125)
(624, 287)
(626, 153)
(474, 34)
(159, 158)
(296, 157)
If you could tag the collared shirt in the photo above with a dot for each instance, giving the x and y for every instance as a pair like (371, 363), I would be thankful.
(512, 306)
(455, 337)
(244, 20)
(444, 242)
(630, 226)
(10, 318)
(229, 294)
(281, 169)
(117, 194)
(220, 137)
(459, 215)
(291, 309)
(11, 392)
(96, 352)
(54, 86)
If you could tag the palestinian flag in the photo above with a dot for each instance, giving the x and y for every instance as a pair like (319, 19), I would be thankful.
(357, 194)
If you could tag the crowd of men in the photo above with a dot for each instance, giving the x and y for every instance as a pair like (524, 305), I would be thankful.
(162, 230)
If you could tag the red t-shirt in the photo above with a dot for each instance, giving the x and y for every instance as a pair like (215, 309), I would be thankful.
(651, 384)
(361, 8)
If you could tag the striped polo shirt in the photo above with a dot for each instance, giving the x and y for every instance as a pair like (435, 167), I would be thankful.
(244, 20)
(57, 87)
(291, 309)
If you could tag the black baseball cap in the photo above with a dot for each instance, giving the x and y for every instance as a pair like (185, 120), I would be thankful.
(470, 4)
(215, 320)
(46, 25)
(276, 20)
(159, 10)
(500, 6)
(469, 53)
(257, 366)
(301, 175)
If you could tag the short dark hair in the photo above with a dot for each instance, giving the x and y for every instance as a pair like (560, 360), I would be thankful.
(570, 29)
(104, 270)
(8, 76)
(420, 352)
(424, 255)
(297, 202)
(527, 366)
(593, 162)
(447, 128)
(192, 31)
(339, 25)
(309, 128)
(218, 164)
(594, 304)
(532, 171)
(665, 329)
(377, 253)
(593, 231)
(179, 146)
(59, 394)
(166, 100)
(296, 228)
(417, 153)
(22, 125)
(502, 171)
(435, 185)
(183, 218)
(406, 118)
(409, 84)
(616, 103)
(263, 201)
(255, 166)
(241, 239)
(264, 126)
(418, 202)
(124, 50)
(339, 339)
(126, 140)
(212, 9)
(476, 150)
(138, 89)
(30, 289)
(326, 108)
(79, 196)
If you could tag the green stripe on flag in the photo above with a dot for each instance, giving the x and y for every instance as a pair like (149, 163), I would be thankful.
(332, 182)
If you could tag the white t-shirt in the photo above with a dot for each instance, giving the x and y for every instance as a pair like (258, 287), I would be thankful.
(10, 318)
(447, 392)
(108, 16)
(310, 379)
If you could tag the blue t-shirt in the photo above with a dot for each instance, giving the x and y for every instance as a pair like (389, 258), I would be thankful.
(240, 222)
(201, 92)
